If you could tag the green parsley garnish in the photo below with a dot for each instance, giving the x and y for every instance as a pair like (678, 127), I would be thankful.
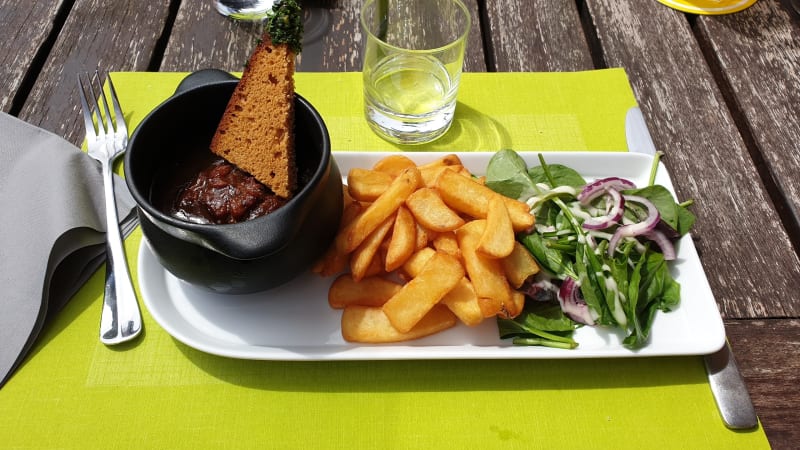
(285, 24)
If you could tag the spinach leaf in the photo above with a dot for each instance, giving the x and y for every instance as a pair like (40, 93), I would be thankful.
(599, 273)
(676, 216)
(590, 291)
(541, 323)
(552, 260)
(645, 318)
(657, 285)
(620, 273)
(670, 295)
(562, 175)
(686, 219)
(634, 340)
(625, 288)
(546, 316)
(655, 273)
(507, 174)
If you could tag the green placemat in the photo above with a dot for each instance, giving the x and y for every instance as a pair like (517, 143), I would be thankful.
(73, 392)
(525, 111)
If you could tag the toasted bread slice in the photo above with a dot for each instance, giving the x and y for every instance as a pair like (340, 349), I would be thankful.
(256, 132)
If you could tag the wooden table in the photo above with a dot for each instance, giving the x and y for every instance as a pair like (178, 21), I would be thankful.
(719, 94)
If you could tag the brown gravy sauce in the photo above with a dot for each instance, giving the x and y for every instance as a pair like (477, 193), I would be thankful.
(214, 192)
(222, 193)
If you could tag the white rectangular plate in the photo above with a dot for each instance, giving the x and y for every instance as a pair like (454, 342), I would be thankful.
(294, 322)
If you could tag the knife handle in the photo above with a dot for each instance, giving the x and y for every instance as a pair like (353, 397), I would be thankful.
(730, 390)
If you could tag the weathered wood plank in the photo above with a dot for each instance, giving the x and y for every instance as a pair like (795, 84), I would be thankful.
(201, 38)
(747, 253)
(768, 355)
(538, 35)
(26, 26)
(758, 53)
(334, 40)
(117, 36)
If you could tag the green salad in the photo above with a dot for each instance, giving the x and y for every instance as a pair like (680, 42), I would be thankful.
(604, 247)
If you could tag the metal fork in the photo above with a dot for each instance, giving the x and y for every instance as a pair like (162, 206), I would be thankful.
(121, 319)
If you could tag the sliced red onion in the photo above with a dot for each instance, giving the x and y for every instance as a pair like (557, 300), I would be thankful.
(667, 249)
(671, 233)
(598, 187)
(612, 217)
(635, 229)
(573, 305)
(540, 291)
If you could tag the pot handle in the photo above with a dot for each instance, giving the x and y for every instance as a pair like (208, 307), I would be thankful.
(204, 77)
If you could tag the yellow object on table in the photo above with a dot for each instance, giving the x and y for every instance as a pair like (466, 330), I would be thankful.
(709, 7)
(155, 392)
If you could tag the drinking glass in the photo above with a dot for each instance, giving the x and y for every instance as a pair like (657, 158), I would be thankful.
(412, 66)
(244, 9)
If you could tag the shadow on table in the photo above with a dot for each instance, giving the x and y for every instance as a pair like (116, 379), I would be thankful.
(475, 131)
(471, 131)
(450, 375)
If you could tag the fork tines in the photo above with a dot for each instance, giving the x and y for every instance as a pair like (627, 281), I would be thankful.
(90, 88)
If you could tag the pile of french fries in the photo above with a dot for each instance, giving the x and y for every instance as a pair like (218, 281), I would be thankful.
(423, 247)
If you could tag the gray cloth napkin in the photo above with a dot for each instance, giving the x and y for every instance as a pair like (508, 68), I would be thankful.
(52, 231)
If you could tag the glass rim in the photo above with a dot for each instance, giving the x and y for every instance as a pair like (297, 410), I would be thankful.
(461, 37)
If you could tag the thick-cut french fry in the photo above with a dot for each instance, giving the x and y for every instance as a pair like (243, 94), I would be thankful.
(331, 263)
(362, 257)
(485, 273)
(430, 211)
(447, 160)
(464, 171)
(347, 198)
(384, 206)
(370, 291)
(394, 164)
(439, 275)
(351, 211)
(445, 234)
(497, 240)
(334, 260)
(414, 264)
(369, 324)
(514, 307)
(423, 236)
(462, 299)
(430, 174)
(463, 194)
(432, 169)
(366, 185)
(490, 306)
(472, 198)
(375, 266)
(447, 243)
(463, 302)
(403, 241)
(519, 265)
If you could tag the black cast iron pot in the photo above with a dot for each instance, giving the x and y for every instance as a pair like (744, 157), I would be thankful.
(245, 257)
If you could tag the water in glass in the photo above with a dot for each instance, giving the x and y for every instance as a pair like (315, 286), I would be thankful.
(410, 98)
